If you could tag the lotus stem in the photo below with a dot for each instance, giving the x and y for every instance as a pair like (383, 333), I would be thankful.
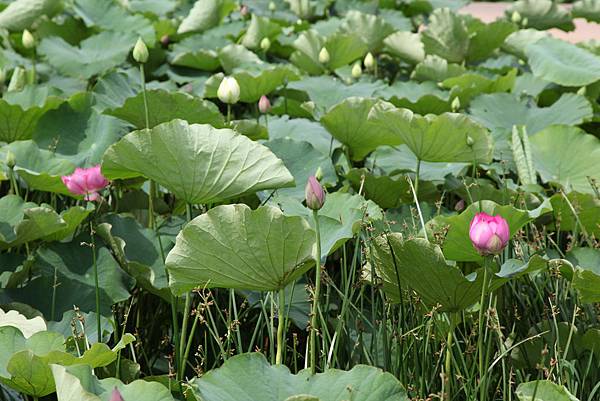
(313, 324)
(280, 326)
(96, 283)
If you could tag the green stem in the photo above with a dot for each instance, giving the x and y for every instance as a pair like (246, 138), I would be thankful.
(96, 283)
(315, 306)
(152, 190)
(280, 326)
(189, 341)
(417, 177)
(182, 341)
(448, 364)
(482, 307)
(143, 79)
(228, 113)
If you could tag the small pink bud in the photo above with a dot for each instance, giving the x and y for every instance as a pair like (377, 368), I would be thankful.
(489, 234)
(314, 194)
(244, 10)
(86, 181)
(460, 205)
(264, 105)
(165, 40)
(116, 395)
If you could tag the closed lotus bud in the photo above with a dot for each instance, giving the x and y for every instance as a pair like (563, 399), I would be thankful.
(460, 205)
(455, 105)
(17, 80)
(369, 61)
(229, 90)
(324, 56)
(116, 395)
(314, 194)
(272, 6)
(525, 22)
(265, 44)
(244, 10)
(582, 91)
(470, 141)
(140, 51)
(319, 173)
(264, 105)
(11, 159)
(489, 234)
(165, 40)
(356, 70)
(28, 40)
(515, 17)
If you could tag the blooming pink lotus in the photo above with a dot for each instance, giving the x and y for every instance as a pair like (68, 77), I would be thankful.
(314, 193)
(489, 234)
(86, 181)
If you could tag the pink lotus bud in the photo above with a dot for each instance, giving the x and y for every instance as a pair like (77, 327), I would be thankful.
(116, 395)
(244, 10)
(165, 40)
(489, 234)
(460, 205)
(314, 193)
(264, 105)
(86, 181)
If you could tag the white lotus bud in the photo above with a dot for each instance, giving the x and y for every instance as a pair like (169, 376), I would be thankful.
(28, 40)
(140, 51)
(356, 70)
(17, 80)
(229, 90)
(324, 56)
(272, 6)
(265, 44)
(369, 61)
(515, 17)
(455, 105)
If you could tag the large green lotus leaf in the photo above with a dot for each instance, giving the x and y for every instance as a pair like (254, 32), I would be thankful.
(343, 49)
(88, 325)
(446, 36)
(20, 14)
(73, 217)
(41, 169)
(406, 46)
(78, 383)
(349, 123)
(517, 42)
(249, 377)
(544, 390)
(27, 327)
(22, 222)
(435, 68)
(567, 156)
(236, 56)
(72, 263)
(197, 163)
(233, 246)
(586, 276)
(260, 28)
(93, 56)
(325, 92)
(563, 63)
(587, 207)
(433, 138)
(302, 160)
(138, 251)
(200, 51)
(21, 111)
(340, 218)
(486, 38)
(420, 265)
(206, 14)
(371, 29)
(542, 14)
(254, 82)
(389, 192)
(302, 129)
(588, 9)
(111, 90)
(457, 245)
(400, 159)
(503, 110)
(469, 85)
(75, 132)
(420, 97)
(110, 16)
(164, 106)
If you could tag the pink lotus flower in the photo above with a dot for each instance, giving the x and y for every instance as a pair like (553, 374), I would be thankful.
(314, 194)
(489, 234)
(264, 105)
(116, 395)
(86, 181)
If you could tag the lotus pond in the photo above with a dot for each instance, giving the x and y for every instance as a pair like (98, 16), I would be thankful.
(299, 200)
